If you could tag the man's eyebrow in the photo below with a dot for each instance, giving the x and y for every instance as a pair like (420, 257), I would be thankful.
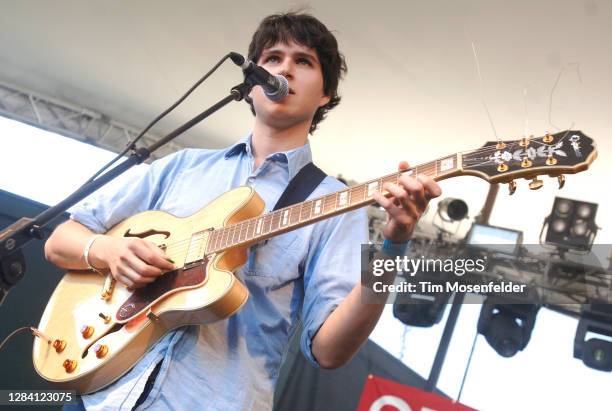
(311, 56)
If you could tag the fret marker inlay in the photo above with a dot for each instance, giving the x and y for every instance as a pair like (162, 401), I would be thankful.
(317, 207)
(343, 198)
(447, 164)
(372, 188)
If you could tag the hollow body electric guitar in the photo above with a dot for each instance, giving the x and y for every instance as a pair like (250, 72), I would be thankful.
(91, 332)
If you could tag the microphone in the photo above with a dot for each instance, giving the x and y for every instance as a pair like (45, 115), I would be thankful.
(275, 87)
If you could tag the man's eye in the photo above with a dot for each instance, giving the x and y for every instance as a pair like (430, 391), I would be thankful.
(272, 59)
(304, 61)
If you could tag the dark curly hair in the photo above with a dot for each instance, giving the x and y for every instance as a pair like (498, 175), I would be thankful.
(306, 30)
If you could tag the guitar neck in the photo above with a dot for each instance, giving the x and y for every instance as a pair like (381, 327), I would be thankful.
(286, 219)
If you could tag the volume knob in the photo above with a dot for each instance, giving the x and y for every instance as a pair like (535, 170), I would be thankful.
(70, 365)
(87, 331)
(101, 350)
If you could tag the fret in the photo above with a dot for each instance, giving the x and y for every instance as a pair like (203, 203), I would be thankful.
(274, 225)
(362, 191)
(353, 195)
(303, 209)
(212, 241)
(389, 179)
(243, 228)
(236, 234)
(250, 229)
(329, 203)
(231, 235)
(209, 243)
(259, 226)
(219, 241)
(306, 210)
(267, 224)
(220, 234)
(238, 226)
(294, 214)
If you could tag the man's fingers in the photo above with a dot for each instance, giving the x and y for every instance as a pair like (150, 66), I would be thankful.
(136, 279)
(403, 165)
(416, 190)
(401, 198)
(143, 268)
(432, 189)
(153, 255)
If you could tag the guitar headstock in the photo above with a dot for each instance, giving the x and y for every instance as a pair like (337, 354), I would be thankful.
(567, 152)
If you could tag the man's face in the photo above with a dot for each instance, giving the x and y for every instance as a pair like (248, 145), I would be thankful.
(301, 66)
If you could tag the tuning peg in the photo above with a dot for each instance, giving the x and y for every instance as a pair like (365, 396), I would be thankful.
(535, 184)
(526, 162)
(561, 181)
(512, 187)
(524, 141)
(548, 138)
(551, 161)
(502, 167)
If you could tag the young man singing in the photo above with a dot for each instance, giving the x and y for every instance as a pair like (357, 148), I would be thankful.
(310, 275)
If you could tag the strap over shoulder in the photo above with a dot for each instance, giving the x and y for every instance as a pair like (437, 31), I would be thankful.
(301, 186)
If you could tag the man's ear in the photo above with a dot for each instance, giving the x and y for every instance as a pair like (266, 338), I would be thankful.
(324, 100)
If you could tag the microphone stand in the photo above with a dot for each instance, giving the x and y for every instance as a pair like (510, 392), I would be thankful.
(15, 236)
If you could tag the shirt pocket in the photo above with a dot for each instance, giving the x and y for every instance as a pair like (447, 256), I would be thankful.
(276, 259)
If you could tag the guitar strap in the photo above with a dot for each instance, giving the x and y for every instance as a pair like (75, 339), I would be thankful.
(301, 186)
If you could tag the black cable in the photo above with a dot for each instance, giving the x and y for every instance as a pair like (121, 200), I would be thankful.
(131, 144)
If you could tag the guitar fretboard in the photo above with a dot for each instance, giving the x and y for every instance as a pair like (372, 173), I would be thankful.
(298, 215)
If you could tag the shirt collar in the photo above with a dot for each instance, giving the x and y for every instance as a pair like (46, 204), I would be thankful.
(295, 158)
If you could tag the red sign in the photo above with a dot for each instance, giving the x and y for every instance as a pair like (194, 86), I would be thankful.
(384, 395)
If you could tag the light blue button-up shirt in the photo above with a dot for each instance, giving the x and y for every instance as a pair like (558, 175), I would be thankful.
(302, 276)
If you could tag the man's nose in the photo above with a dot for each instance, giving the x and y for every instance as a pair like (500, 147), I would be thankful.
(286, 68)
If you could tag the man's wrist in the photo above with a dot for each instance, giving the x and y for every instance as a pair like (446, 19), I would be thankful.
(390, 248)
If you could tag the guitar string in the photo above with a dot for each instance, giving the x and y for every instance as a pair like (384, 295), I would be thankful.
(244, 226)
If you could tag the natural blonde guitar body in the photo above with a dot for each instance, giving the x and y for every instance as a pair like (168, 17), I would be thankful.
(77, 303)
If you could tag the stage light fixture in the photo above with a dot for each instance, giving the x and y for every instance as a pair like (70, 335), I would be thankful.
(595, 353)
(507, 327)
(452, 209)
(571, 224)
(420, 309)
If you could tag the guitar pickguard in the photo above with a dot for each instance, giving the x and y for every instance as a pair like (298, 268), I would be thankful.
(169, 283)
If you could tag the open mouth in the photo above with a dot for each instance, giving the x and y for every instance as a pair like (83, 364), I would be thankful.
(291, 91)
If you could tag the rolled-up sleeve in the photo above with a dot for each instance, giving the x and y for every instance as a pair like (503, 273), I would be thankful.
(332, 269)
(135, 191)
